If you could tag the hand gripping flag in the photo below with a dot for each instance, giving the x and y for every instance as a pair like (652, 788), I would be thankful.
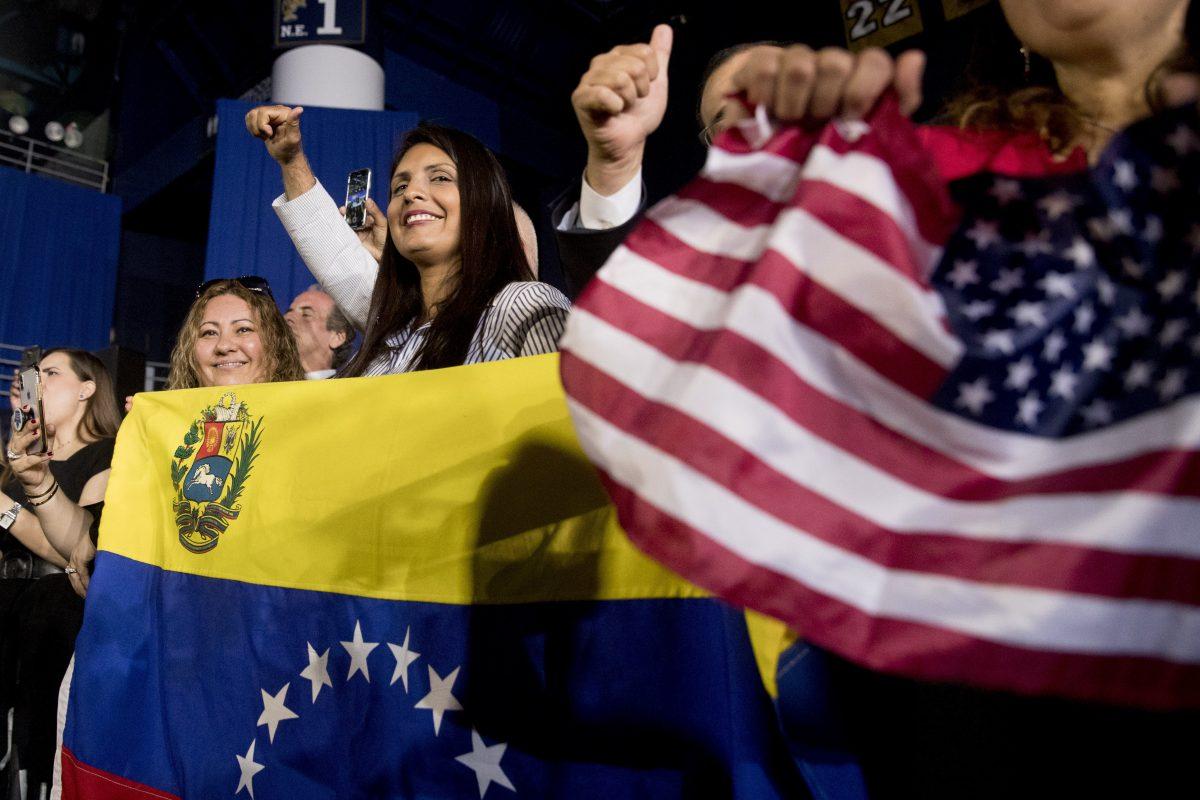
(927, 397)
(414, 588)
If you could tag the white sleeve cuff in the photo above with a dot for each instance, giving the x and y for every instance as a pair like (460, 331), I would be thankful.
(598, 212)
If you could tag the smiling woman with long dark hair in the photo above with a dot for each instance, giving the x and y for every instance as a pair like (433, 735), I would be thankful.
(453, 285)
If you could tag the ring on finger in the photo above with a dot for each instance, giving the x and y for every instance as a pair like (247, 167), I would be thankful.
(11, 455)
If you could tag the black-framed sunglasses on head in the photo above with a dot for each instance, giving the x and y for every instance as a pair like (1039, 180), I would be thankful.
(255, 283)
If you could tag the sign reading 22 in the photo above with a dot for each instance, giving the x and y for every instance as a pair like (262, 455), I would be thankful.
(879, 22)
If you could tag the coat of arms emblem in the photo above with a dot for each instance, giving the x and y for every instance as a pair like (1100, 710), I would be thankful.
(210, 469)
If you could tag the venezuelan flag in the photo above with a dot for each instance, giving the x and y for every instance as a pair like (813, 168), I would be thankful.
(409, 586)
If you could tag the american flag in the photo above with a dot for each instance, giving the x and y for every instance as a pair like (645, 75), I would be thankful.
(928, 398)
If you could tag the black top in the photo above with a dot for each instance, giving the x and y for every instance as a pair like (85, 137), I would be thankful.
(72, 475)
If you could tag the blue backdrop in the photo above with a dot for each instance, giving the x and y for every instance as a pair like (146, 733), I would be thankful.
(58, 262)
(244, 235)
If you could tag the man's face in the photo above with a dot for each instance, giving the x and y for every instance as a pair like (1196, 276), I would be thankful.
(717, 110)
(307, 318)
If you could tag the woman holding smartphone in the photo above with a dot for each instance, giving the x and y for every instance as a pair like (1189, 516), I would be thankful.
(48, 502)
(453, 285)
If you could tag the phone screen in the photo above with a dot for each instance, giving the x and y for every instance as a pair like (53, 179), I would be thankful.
(358, 186)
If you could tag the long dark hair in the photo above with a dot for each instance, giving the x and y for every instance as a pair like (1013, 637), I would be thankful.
(996, 91)
(490, 257)
(101, 417)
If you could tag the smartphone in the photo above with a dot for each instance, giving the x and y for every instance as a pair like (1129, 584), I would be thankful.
(31, 357)
(31, 395)
(358, 188)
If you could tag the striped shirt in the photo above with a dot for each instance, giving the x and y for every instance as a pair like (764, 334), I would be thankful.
(523, 319)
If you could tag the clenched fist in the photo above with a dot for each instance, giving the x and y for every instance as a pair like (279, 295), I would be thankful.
(279, 128)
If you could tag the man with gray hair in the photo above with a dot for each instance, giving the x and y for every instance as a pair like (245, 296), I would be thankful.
(323, 335)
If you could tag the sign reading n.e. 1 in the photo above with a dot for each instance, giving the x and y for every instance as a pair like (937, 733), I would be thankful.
(320, 21)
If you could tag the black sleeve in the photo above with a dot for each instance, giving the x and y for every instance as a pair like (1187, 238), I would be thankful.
(96, 509)
(583, 251)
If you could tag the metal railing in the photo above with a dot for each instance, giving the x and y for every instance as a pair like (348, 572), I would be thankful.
(30, 155)
(156, 375)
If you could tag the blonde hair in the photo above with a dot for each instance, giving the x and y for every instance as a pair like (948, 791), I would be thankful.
(279, 348)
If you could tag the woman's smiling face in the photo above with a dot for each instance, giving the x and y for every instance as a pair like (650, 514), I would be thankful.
(423, 214)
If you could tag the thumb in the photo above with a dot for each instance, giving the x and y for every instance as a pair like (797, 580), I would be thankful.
(293, 116)
(660, 41)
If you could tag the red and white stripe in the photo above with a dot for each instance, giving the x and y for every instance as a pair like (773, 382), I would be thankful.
(750, 372)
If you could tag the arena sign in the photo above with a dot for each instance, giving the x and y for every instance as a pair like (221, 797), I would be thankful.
(320, 22)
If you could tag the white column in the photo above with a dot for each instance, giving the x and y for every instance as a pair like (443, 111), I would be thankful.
(327, 75)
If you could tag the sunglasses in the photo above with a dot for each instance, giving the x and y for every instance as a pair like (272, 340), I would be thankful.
(254, 283)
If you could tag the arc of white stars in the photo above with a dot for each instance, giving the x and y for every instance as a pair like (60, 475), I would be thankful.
(359, 650)
(440, 699)
(249, 768)
(404, 657)
(317, 671)
(274, 711)
(484, 761)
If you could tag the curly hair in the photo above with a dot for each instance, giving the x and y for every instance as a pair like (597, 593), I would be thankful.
(998, 91)
(279, 348)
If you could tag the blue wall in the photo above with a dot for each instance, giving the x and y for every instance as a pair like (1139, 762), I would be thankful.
(245, 237)
(59, 246)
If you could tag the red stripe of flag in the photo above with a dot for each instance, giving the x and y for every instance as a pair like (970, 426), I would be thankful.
(1051, 566)
(1166, 472)
(895, 646)
(82, 781)
(808, 302)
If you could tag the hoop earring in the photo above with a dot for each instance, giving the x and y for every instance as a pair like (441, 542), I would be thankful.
(1025, 57)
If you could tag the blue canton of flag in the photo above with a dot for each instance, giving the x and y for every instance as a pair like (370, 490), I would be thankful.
(1076, 296)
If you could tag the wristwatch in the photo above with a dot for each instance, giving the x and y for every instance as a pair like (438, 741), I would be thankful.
(10, 516)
